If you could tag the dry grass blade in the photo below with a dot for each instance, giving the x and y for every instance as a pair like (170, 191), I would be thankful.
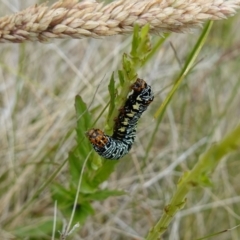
(73, 19)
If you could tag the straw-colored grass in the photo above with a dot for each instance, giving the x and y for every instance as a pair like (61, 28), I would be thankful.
(38, 84)
(73, 19)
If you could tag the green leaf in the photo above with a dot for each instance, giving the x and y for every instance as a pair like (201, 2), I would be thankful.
(83, 124)
(96, 162)
(113, 93)
(81, 151)
(121, 77)
(40, 228)
(83, 211)
(141, 46)
(204, 180)
(144, 32)
(83, 118)
(75, 165)
(104, 194)
(145, 44)
(103, 173)
(135, 41)
(87, 186)
(63, 196)
(127, 65)
(66, 198)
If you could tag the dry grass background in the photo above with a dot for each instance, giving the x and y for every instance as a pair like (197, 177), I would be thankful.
(38, 83)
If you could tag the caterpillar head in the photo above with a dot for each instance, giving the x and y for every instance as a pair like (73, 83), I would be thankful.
(139, 85)
(97, 137)
(142, 91)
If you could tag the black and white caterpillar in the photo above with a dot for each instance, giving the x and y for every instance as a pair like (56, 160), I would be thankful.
(124, 132)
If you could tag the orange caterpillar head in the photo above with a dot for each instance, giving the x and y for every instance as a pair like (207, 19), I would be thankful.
(97, 137)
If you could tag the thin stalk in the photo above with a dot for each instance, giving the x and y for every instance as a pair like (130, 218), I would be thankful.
(206, 164)
(186, 69)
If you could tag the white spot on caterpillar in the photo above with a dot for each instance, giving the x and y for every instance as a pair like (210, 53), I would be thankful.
(125, 122)
(122, 129)
(136, 106)
(139, 99)
(131, 114)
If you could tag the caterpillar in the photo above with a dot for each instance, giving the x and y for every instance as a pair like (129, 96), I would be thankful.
(124, 131)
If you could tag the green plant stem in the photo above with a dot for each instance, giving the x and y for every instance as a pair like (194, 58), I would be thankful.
(186, 69)
(139, 57)
(156, 47)
(207, 163)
